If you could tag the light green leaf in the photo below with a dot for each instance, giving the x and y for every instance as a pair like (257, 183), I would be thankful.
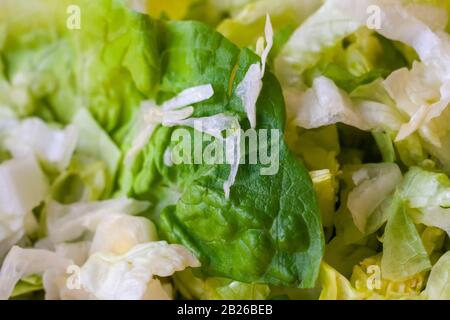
(404, 254)
(429, 193)
(95, 142)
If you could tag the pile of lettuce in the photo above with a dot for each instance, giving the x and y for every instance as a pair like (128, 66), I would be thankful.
(92, 94)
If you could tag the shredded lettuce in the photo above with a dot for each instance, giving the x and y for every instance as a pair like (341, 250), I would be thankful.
(176, 112)
(172, 112)
(69, 222)
(250, 87)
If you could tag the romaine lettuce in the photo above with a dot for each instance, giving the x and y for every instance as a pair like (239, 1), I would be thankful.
(428, 195)
(192, 56)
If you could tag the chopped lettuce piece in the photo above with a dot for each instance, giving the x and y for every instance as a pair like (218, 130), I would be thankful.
(130, 275)
(53, 147)
(358, 60)
(172, 112)
(21, 263)
(373, 183)
(70, 222)
(404, 254)
(431, 74)
(23, 185)
(425, 189)
(175, 112)
(250, 87)
(428, 193)
(325, 104)
(117, 234)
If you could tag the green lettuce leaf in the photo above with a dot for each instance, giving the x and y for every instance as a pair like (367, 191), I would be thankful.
(270, 236)
(373, 184)
(319, 33)
(428, 193)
